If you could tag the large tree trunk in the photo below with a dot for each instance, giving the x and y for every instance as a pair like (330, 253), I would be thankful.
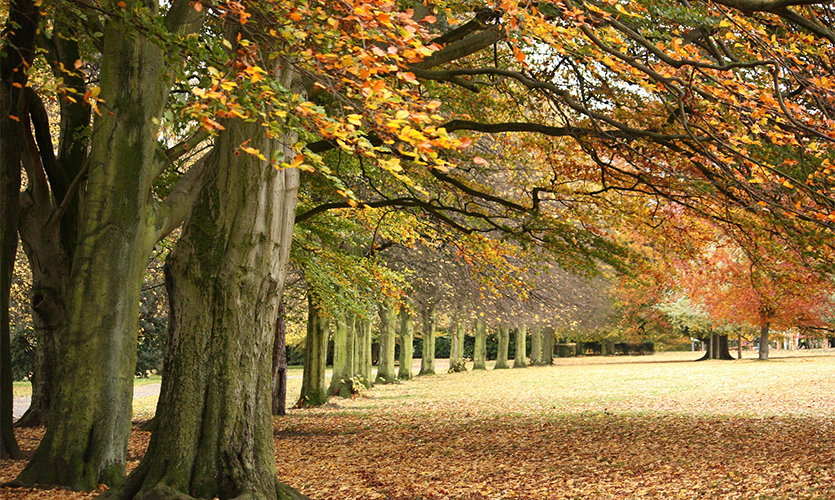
(456, 356)
(480, 350)
(519, 361)
(363, 356)
(764, 342)
(279, 384)
(386, 373)
(548, 336)
(427, 361)
(407, 347)
(717, 348)
(342, 383)
(501, 354)
(214, 435)
(313, 391)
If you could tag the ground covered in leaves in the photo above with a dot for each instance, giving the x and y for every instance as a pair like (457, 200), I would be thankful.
(586, 428)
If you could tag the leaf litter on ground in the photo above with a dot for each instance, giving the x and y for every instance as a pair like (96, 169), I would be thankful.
(655, 427)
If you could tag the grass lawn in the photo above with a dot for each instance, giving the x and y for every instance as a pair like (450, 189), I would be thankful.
(660, 427)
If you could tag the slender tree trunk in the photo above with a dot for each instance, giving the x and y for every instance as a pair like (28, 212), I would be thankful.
(427, 362)
(363, 346)
(501, 354)
(18, 55)
(279, 384)
(519, 361)
(536, 346)
(456, 358)
(314, 391)
(548, 346)
(738, 346)
(225, 277)
(461, 328)
(386, 373)
(764, 342)
(342, 383)
(407, 346)
(480, 351)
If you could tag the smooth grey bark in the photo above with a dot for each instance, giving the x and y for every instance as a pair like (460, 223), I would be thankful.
(363, 353)
(386, 373)
(314, 391)
(225, 277)
(764, 342)
(89, 422)
(279, 380)
(342, 383)
(501, 354)
(536, 346)
(520, 360)
(427, 361)
(548, 337)
(456, 357)
(407, 347)
(480, 351)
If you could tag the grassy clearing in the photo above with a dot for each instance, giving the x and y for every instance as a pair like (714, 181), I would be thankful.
(660, 427)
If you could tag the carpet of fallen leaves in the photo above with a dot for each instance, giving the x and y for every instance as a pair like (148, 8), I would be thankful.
(658, 427)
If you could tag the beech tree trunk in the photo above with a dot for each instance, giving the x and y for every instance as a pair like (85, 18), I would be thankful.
(363, 356)
(386, 373)
(279, 384)
(536, 346)
(18, 54)
(480, 350)
(764, 342)
(456, 357)
(519, 361)
(89, 422)
(547, 346)
(501, 354)
(407, 347)
(225, 277)
(717, 348)
(342, 383)
(427, 362)
(314, 391)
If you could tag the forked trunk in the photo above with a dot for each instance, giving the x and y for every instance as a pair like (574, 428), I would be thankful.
(480, 350)
(407, 347)
(386, 373)
(519, 361)
(214, 436)
(427, 361)
(501, 354)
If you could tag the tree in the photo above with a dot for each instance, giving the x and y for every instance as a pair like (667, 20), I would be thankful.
(520, 360)
(385, 367)
(279, 381)
(406, 343)
(501, 354)
(342, 382)
(427, 361)
(313, 391)
(480, 353)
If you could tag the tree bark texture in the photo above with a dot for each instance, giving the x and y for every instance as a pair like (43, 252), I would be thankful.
(407, 346)
(225, 277)
(717, 348)
(314, 391)
(501, 354)
(18, 54)
(536, 346)
(342, 383)
(520, 360)
(279, 384)
(386, 373)
(363, 356)
(548, 336)
(480, 350)
(86, 442)
(764, 342)
(427, 361)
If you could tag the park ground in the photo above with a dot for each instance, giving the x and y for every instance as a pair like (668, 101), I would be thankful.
(660, 427)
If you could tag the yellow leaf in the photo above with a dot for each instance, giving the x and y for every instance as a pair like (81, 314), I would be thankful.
(298, 160)
(354, 119)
